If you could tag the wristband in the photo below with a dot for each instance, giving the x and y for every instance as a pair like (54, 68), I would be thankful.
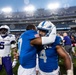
(70, 72)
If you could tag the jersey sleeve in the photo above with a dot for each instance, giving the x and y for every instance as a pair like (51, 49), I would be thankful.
(57, 40)
(13, 41)
(33, 35)
(12, 38)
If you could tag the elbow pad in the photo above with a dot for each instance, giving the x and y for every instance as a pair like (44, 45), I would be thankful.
(49, 39)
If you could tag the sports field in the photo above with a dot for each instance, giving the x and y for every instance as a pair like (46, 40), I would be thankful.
(62, 67)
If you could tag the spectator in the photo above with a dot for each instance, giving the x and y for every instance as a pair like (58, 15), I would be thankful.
(67, 43)
(73, 40)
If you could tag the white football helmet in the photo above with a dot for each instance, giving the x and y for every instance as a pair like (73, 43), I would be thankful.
(47, 26)
(5, 27)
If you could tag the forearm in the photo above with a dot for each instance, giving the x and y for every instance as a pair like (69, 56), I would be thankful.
(43, 40)
(69, 66)
(67, 62)
(14, 50)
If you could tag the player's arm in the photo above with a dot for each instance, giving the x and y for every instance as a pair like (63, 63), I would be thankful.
(13, 43)
(67, 61)
(13, 46)
(42, 41)
(14, 50)
(45, 39)
(36, 41)
(63, 40)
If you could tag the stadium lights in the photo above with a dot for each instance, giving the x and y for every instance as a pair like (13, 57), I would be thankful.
(53, 6)
(66, 6)
(7, 10)
(29, 8)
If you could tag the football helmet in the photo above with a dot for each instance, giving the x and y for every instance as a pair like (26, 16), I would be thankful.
(5, 27)
(46, 26)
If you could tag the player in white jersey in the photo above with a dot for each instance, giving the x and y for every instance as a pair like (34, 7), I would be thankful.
(7, 41)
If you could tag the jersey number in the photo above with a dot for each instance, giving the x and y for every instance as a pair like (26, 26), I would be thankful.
(1, 45)
(43, 55)
(19, 44)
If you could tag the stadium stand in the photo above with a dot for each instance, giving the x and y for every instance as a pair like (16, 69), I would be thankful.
(64, 19)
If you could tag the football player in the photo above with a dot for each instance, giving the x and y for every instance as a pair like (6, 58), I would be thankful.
(48, 56)
(27, 49)
(7, 42)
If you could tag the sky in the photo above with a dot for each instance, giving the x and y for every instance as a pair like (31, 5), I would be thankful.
(18, 5)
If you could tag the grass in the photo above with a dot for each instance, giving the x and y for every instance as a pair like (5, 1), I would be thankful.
(62, 68)
(3, 72)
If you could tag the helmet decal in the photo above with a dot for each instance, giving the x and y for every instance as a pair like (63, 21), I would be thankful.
(43, 23)
(46, 26)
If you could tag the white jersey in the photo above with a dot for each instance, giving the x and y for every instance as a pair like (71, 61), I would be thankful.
(5, 45)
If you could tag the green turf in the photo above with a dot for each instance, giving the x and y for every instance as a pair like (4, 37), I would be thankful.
(62, 68)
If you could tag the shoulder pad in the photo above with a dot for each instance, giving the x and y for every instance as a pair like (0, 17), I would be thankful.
(11, 35)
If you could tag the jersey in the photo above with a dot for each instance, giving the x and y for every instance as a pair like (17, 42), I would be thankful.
(5, 45)
(48, 57)
(27, 53)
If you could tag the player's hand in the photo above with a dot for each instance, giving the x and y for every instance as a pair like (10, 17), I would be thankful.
(16, 55)
(14, 63)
